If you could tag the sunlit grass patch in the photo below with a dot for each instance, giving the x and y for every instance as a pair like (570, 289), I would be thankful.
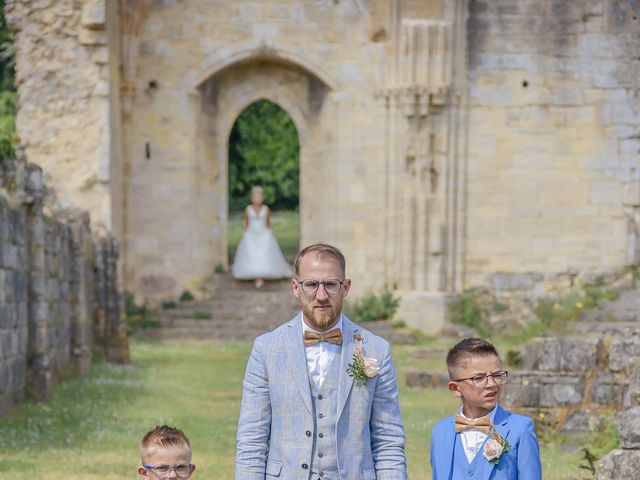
(91, 427)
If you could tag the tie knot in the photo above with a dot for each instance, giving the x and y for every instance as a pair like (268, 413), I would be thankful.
(482, 424)
(332, 336)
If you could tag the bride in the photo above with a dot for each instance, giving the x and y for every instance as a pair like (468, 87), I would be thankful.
(258, 255)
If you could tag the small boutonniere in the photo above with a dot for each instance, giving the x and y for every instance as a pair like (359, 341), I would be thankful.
(362, 368)
(495, 446)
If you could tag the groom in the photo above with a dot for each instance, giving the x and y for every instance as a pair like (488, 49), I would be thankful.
(302, 415)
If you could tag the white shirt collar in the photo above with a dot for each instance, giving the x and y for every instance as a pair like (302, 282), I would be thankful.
(491, 414)
(307, 327)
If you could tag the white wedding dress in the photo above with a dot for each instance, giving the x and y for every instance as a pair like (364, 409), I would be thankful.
(258, 254)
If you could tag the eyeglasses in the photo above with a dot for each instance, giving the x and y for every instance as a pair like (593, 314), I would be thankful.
(163, 471)
(310, 287)
(481, 381)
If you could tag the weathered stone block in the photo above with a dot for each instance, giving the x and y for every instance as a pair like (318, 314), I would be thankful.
(628, 423)
(580, 423)
(622, 353)
(563, 354)
(531, 389)
(608, 391)
(423, 379)
(619, 465)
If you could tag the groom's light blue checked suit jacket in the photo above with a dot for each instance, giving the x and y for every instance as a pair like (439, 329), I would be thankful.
(276, 411)
(522, 462)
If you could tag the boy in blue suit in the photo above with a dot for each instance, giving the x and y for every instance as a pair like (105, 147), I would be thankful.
(483, 442)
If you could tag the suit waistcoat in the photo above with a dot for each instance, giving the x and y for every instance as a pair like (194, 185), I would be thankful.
(324, 459)
(462, 469)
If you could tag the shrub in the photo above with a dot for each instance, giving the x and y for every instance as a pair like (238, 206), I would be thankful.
(186, 296)
(138, 317)
(466, 311)
(373, 306)
(201, 315)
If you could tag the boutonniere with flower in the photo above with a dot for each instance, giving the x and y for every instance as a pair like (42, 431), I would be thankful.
(362, 368)
(495, 447)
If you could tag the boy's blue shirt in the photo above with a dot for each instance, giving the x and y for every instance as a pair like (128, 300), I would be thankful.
(522, 462)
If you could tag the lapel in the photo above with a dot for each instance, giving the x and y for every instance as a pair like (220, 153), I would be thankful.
(448, 438)
(345, 382)
(501, 422)
(297, 357)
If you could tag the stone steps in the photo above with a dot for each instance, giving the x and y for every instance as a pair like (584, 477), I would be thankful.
(240, 312)
(567, 381)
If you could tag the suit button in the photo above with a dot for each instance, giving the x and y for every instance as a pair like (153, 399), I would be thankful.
(321, 455)
(305, 466)
(320, 415)
(321, 435)
(308, 433)
(320, 397)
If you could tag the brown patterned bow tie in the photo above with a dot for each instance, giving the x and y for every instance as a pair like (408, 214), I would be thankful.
(483, 424)
(332, 336)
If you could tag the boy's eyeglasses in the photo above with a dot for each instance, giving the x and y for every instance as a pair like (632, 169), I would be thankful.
(481, 381)
(310, 287)
(163, 471)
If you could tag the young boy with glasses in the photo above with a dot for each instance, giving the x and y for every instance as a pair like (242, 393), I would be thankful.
(165, 453)
(484, 440)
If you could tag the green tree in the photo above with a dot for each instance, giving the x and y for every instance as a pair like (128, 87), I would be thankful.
(8, 96)
(264, 151)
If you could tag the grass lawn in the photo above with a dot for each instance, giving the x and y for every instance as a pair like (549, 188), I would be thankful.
(285, 225)
(91, 427)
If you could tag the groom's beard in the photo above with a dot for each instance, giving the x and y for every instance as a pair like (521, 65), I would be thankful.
(321, 319)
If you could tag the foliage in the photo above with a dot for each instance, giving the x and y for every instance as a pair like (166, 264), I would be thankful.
(169, 305)
(186, 296)
(466, 311)
(138, 317)
(264, 151)
(589, 461)
(514, 358)
(219, 268)
(8, 96)
(374, 306)
(202, 315)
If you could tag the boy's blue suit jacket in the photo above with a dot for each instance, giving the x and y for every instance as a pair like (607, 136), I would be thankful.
(522, 462)
(276, 411)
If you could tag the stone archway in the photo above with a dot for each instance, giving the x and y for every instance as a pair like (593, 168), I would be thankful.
(263, 150)
(223, 97)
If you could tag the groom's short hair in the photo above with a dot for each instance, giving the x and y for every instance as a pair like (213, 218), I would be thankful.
(321, 249)
(464, 350)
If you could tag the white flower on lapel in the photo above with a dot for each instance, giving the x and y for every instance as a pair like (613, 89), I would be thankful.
(495, 446)
(371, 367)
(362, 368)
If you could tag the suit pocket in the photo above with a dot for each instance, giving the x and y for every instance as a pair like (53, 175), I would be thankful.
(273, 468)
(369, 473)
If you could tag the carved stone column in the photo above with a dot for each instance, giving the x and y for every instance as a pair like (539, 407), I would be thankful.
(419, 104)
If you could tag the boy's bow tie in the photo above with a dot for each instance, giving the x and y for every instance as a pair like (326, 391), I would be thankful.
(332, 336)
(483, 424)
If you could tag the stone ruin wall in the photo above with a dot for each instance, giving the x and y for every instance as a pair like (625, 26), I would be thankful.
(554, 140)
(59, 301)
(63, 74)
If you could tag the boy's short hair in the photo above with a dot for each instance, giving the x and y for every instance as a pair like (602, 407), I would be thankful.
(462, 351)
(321, 249)
(161, 437)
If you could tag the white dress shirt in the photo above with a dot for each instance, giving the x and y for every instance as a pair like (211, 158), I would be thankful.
(472, 439)
(320, 355)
